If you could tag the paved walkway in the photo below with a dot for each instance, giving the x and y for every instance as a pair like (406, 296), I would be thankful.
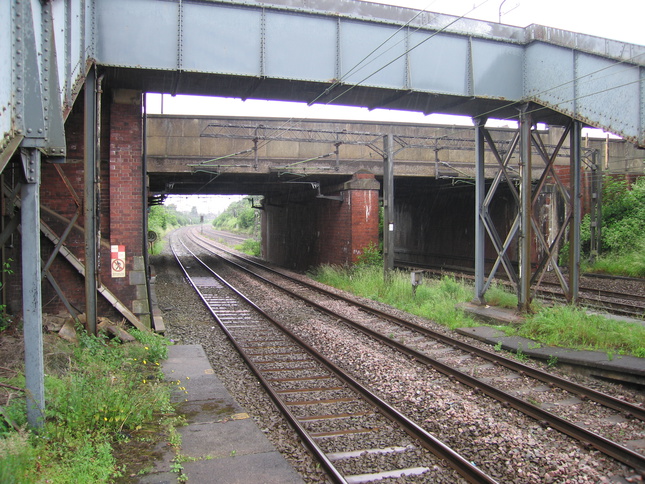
(221, 443)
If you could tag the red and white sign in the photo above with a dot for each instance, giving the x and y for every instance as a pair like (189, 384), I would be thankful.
(117, 261)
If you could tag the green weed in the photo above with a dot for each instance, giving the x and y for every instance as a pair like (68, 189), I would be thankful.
(435, 299)
(501, 296)
(250, 247)
(520, 355)
(103, 395)
(552, 361)
(564, 326)
(572, 327)
(370, 256)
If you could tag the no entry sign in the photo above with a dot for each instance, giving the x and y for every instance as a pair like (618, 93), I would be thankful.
(117, 261)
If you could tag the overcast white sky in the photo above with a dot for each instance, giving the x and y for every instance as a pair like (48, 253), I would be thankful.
(622, 20)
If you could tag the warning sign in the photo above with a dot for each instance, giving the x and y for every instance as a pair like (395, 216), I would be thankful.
(117, 261)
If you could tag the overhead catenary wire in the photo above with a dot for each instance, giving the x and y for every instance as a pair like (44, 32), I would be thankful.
(407, 51)
(486, 114)
(338, 82)
(358, 64)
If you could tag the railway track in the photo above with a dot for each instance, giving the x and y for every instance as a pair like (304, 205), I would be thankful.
(552, 401)
(630, 304)
(352, 432)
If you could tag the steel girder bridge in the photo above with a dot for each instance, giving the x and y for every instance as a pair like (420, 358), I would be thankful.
(316, 51)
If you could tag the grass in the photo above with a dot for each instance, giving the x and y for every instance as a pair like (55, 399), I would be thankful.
(433, 300)
(630, 264)
(564, 326)
(500, 296)
(98, 394)
(572, 327)
(250, 247)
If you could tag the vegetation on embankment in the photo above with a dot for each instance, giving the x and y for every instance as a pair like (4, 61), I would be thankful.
(100, 395)
(164, 218)
(623, 229)
(240, 217)
(437, 300)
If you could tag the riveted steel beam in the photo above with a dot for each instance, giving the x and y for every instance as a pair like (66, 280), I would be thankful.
(387, 56)
(31, 289)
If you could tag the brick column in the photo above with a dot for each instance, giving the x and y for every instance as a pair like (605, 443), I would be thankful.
(346, 228)
(127, 201)
(361, 196)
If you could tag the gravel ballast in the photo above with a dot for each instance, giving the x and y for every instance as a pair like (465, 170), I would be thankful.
(509, 446)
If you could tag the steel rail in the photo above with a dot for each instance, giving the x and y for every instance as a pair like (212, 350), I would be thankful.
(613, 449)
(584, 392)
(461, 465)
(593, 296)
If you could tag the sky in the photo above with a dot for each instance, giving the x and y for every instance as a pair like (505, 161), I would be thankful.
(618, 20)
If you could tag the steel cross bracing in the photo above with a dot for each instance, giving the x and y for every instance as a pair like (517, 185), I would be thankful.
(527, 227)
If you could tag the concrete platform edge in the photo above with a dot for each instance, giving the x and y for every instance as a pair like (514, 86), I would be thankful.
(601, 364)
(220, 443)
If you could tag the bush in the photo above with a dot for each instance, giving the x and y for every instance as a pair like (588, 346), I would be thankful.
(370, 256)
(623, 217)
(623, 229)
(240, 216)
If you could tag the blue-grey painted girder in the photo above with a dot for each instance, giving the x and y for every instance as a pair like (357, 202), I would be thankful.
(317, 51)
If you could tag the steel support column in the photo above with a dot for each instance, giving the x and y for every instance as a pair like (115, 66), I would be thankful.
(596, 207)
(574, 228)
(480, 195)
(31, 288)
(388, 204)
(91, 229)
(525, 239)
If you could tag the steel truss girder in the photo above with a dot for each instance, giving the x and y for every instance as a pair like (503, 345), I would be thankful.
(525, 223)
(395, 50)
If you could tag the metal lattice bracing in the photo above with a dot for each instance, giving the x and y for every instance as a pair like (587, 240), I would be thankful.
(528, 231)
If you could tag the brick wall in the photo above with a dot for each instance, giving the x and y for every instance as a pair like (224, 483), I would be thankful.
(126, 186)
(121, 205)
